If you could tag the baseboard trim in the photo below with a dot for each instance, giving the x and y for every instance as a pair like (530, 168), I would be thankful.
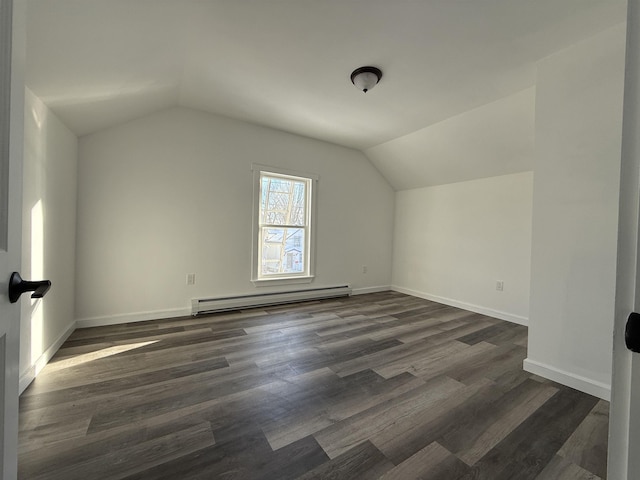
(32, 372)
(131, 317)
(584, 384)
(509, 317)
(365, 290)
(176, 312)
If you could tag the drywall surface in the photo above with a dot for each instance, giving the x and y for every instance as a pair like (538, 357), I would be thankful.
(575, 212)
(491, 140)
(48, 234)
(171, 194)
(453, 243)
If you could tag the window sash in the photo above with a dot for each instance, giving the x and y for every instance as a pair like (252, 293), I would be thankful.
(291, 205)
(283, 258)
(308, 229)
(305, 227)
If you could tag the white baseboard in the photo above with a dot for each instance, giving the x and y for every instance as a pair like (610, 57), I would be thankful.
(364, 290)
(584, 384)
(176, 312)
(131, 317)
(509, 317)
(30, 374)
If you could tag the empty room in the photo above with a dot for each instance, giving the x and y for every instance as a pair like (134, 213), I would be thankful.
(284, 239)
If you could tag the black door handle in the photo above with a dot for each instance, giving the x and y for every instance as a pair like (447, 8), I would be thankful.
(18, 286)
(632, 332)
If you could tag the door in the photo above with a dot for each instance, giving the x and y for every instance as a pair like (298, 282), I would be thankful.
(624, 425)
(11, 144)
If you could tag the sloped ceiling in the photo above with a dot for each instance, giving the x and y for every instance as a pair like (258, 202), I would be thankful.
(491, 140)
(286, 64)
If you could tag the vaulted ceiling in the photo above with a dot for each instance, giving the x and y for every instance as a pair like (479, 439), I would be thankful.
(286, 64)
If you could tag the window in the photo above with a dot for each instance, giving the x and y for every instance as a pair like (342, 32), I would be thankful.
(282, 221)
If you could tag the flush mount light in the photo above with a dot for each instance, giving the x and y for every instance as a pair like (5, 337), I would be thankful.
(365, 78)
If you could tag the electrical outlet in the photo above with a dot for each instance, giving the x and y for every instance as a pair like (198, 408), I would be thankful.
(364, 269)
(499, 285)
(191, 278)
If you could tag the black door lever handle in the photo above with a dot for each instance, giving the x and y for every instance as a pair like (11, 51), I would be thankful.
(632, 332)
(18, 286)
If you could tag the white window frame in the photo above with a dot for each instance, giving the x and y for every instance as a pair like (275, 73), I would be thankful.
(286, 278)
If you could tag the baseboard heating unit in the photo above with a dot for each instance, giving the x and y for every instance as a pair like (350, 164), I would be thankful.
(201, 306)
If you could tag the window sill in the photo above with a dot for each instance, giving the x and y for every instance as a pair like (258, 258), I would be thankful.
(264, 282)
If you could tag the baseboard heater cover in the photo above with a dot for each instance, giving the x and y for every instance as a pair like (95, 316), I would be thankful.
(221, 304)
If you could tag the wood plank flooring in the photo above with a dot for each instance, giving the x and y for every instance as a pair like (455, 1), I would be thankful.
(373, 386)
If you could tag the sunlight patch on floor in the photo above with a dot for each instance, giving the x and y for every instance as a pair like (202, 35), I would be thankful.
(98, 354)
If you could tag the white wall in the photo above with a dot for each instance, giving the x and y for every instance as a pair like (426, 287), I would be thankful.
(575, 209)
(488, 141)
(171, 194)
(48, 235)
(453, 242)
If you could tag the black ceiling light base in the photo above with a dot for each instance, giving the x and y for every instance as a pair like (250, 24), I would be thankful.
(365, 78)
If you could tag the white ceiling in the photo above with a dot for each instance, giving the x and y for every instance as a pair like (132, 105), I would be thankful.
(286, 63)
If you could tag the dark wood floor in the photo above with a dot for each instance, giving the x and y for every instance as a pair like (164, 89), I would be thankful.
(373, 386)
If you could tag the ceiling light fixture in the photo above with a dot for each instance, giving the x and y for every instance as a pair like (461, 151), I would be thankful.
(365, 78)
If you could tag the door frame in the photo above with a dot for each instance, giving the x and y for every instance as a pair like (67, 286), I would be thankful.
(13, 91)
(624, 420)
